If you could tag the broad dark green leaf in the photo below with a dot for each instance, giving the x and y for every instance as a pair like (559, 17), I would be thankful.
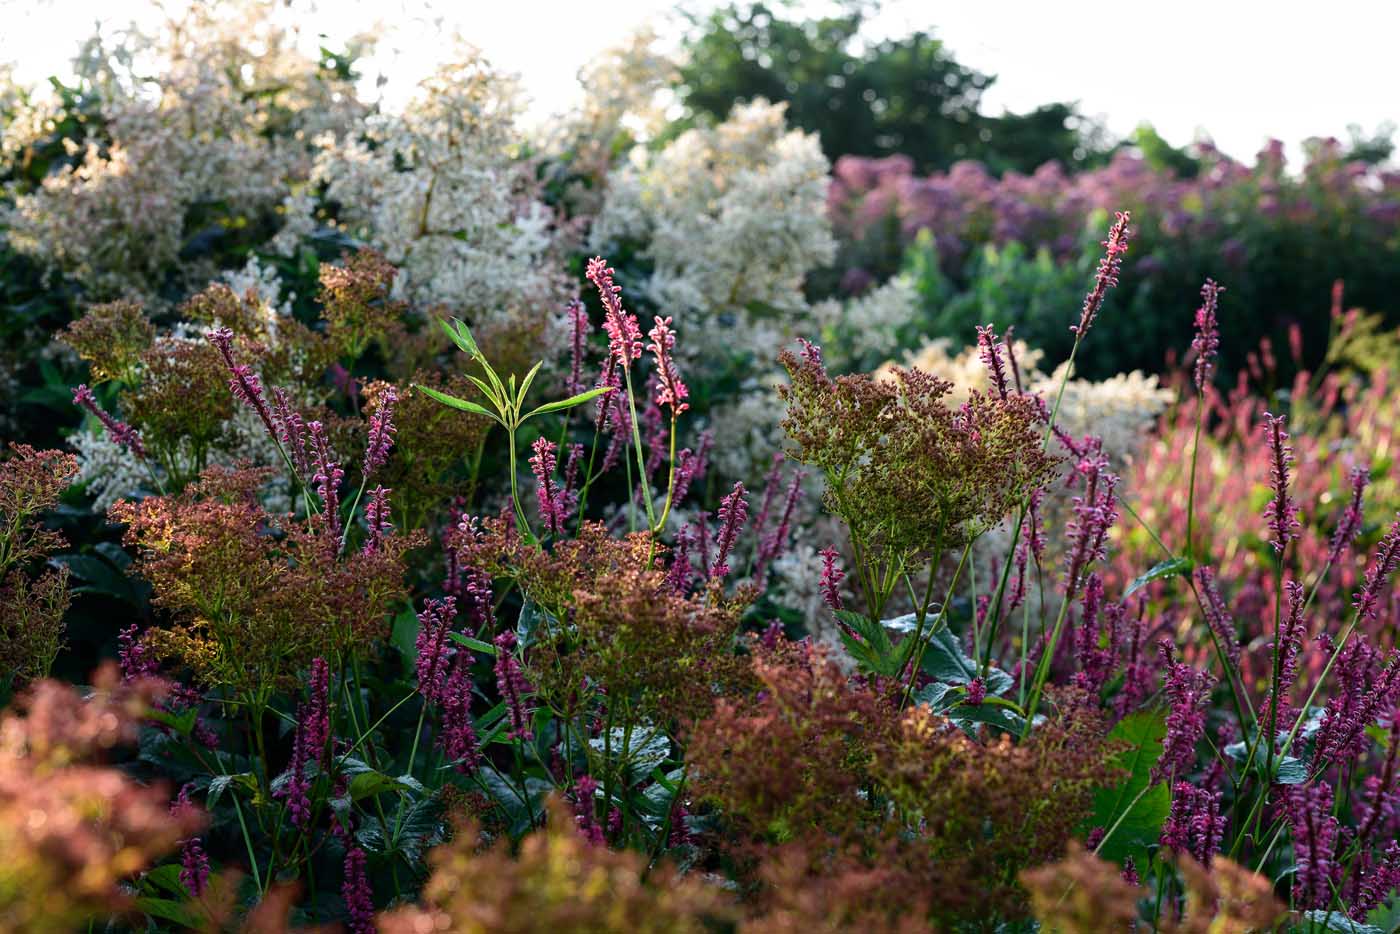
(1141, 737)
(182, 913)
(476, 645)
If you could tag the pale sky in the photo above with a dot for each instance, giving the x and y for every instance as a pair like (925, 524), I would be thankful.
(1239, 71)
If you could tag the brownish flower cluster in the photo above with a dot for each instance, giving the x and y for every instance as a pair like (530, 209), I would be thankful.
(31, 606)
(617, 622)
(71, 829)
(557, 882)
(1083, 894)
(355, 302)
(910, 475)
(253, 598)
(848, 787)
(436, 450)
(111, 337)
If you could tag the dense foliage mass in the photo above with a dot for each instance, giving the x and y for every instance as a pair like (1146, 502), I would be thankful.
(376, 555)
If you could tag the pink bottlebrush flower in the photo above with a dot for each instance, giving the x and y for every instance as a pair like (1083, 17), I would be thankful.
(585, 813)
(1282, 511)
(680, 831)
(1107, 276)
(810, 352)
(1094, 514)
(1367, 599)
(1207, 341)
(681, 571)
(1291, 635)
(194, 867)
(976, 692)
(733, 510)
(671, 391)
(309, 744)
(1369, 882)
(136, 658)
(579, 328)
(624, 334)
(1130, 873)
(1137, 675)
(243, 382)
(457, 737)
(1188, 692)
(1094, 650)
(291, 430)
(773, 634)
(771, 547)
(358, 895)
(327, 477)
(381, 432)
(434, 648)
(118, 431)
(1361, 695)
(1218, 615)
(702, 542)
(1315, 841)
(1352, 516)
(1194, 823)
(770, 490)
(655, 430)
(510, 681)
(377, 517)
(832, 575)
(614, 822)
(552, 499)
(1379, 809)
(990, 351)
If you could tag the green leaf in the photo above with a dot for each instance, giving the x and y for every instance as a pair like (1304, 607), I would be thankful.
(165, 877)
(371, 783)
(945, 659)
(456, 403)
(568, 403)
(182, 913)
(1179, 566)
(1338, 921)
(461, 335)
(487, 391)
(476, 645)
(1141, 736)
(525, 384)
(1291, 771)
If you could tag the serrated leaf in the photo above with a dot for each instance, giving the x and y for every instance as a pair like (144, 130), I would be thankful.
(561, 404)
(945, 659)
(1170, 567)
(454, 402)
(1141, 825)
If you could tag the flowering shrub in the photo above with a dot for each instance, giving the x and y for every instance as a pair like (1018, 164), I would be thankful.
(1004, 250)
(451, 593)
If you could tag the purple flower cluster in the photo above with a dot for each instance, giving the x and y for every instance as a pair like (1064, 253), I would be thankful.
(733, 510)
(1218, 615)
(377, 518)
(1352, 516)
(1367, 599)
(585, 813)
(832, 576)
(328, 476)
(1194, 825)
(1188, 692)
(1107, 275)
(434, 649)
(1316, 833)
(671, 390)
(1206, 344)
(309, 745)
(510, 681)
(556, 502)
(624, 334)
(118, 431)
(358, 895)
(1282, 511)
(243, 382)
(381, 432)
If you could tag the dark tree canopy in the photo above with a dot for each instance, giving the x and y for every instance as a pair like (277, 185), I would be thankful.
(906, 95)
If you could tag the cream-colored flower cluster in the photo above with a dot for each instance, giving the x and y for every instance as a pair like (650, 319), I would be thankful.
(228, 122)
(444, 191)
(732, 218)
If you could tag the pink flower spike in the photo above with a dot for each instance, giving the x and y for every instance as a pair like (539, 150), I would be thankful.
(1107, 276)
(1207, 341)
(1282, 511)
(624, 334)
(671, 392)
(381, 432)
(118, 431)
(733, 510)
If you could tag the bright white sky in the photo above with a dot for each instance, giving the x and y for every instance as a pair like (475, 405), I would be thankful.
(1239, 70)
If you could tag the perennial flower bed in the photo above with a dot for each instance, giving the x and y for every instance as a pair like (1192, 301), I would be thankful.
(411, 567)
